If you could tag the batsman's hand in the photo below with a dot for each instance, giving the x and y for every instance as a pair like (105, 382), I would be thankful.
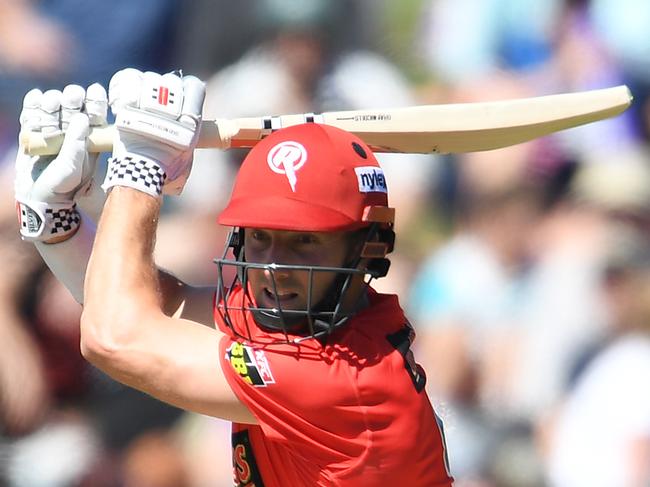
(158, 118)
(46, 187)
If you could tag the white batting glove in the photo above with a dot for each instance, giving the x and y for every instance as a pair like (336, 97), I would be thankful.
(46, 187)
(158, 119)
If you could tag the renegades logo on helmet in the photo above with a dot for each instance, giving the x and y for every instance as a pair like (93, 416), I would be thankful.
(287, 158)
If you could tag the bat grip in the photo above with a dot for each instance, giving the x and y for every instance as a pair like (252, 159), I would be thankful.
(213, 134)
(40, 144)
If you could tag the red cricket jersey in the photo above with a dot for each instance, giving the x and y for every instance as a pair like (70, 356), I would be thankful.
(348, 412)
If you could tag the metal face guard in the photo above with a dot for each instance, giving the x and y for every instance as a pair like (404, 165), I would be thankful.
(315, 320)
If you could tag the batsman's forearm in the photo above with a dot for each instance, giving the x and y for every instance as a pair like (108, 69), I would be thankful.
(68, 259)
(122, 280)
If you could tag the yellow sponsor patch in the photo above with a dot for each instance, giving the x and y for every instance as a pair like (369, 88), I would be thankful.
(250, 364)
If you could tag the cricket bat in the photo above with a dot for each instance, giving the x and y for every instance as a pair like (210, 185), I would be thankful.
(440, 129)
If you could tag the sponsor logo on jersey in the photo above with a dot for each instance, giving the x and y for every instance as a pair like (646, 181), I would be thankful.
(287, 158)
(251, 364)
(244, 467)
(371, 179)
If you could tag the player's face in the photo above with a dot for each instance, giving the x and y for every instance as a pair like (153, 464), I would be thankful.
(326, 249)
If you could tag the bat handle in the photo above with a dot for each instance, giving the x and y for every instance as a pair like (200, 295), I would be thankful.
(214, 134)
(100, 139)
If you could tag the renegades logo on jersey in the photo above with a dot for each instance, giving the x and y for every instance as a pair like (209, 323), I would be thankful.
(251, 364)
(244, 467)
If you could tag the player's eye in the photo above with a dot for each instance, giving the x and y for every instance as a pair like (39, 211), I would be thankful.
(258, 235)
(306, 239)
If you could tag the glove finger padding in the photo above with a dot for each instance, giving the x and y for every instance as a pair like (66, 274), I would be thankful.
(96, 105)
(157, 119)
(72, 100)
(194, 95)
(30, 115)
(124, 89)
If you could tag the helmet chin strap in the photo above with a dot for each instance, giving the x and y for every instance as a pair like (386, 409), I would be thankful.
(276, 320)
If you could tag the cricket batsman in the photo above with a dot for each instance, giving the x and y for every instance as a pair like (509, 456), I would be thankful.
(312, 366)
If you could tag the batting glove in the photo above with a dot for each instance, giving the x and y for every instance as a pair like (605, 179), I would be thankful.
(46, 187)
(158, 119)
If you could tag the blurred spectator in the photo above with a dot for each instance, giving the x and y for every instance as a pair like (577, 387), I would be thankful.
(500, 342)
(548, 47)
(609, 191)
(42, 377)
(54, 403)
(470, 39)
(601, 435)
(465, 303)
(210, 34)
(622, 27)
(24, 391)
(46, 54)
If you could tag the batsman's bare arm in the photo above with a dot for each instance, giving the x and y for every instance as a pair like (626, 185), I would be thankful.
(124, 328)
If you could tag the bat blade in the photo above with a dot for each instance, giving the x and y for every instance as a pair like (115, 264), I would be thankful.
(450, 128)
(471, 127)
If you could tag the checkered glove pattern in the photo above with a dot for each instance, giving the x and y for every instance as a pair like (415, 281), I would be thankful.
(140, 174)
(158, 118)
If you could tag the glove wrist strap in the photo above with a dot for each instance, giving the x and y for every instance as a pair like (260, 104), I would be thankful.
(135, 172)
(43, 222)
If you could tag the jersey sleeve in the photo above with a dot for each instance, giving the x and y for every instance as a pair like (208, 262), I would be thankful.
(277, 385)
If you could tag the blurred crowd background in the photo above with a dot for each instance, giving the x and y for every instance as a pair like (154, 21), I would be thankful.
(525, 271)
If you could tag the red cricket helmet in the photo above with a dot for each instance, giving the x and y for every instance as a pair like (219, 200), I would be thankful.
(308, 177)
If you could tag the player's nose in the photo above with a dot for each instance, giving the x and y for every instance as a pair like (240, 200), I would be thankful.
(277, 273)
